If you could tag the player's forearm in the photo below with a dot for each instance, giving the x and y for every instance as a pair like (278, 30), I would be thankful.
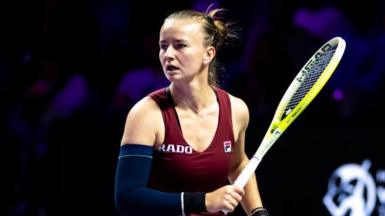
(132, 197)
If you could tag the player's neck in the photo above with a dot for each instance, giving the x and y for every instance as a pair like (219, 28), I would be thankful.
(194, 97)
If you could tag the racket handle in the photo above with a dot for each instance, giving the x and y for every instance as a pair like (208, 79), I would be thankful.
(246, 173)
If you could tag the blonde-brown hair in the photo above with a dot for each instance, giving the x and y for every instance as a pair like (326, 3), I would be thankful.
(218, 33)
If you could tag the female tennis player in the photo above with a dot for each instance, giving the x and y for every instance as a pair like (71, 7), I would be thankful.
(182, 144)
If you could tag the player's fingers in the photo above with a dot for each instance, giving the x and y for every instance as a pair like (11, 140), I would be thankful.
(239, 190)
(231, 200)
(234, 194)
(234, 198)
(228, 206)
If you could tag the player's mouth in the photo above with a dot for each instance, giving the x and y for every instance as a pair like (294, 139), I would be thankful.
(171, 68)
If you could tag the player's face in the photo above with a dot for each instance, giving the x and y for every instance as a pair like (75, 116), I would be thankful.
(182, 53)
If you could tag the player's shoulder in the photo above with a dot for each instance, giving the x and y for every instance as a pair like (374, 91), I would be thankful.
(233, 99)
(147, 104)
(239, 112)
(145, 107)
(239, 109)
(238, 104)
(143, 123)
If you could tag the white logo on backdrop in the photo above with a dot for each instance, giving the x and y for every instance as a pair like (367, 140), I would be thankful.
(352, 191)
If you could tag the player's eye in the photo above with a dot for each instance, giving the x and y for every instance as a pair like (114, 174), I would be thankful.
(180, 46)
(163, 46)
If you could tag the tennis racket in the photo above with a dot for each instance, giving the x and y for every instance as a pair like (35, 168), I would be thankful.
(302, 90)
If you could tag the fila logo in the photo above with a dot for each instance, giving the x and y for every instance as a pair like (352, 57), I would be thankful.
(175, 148)
(227, 146)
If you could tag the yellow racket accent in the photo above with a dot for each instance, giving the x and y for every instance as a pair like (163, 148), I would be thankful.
(304, 88)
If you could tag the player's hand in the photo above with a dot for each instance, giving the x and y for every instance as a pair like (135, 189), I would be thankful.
(225, 198)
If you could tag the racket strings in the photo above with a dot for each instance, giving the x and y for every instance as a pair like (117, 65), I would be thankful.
(311, 77)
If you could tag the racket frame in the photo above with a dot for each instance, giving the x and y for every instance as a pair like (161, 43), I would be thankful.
(278, 125)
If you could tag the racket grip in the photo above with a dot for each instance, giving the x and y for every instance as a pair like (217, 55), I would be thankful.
(246, 173)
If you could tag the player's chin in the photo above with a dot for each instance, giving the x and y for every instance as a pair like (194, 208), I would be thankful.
(172, 76)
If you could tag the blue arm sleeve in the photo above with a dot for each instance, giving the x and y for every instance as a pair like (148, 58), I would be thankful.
(131, 195)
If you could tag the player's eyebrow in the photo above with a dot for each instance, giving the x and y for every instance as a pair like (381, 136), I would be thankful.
(175, 40)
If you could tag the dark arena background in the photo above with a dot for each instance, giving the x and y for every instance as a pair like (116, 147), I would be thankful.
(71, 69)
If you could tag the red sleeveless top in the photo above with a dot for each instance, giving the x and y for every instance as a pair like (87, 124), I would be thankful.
(177, 166)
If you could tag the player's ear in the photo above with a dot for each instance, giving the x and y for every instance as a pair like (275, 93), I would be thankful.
(209, 55)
